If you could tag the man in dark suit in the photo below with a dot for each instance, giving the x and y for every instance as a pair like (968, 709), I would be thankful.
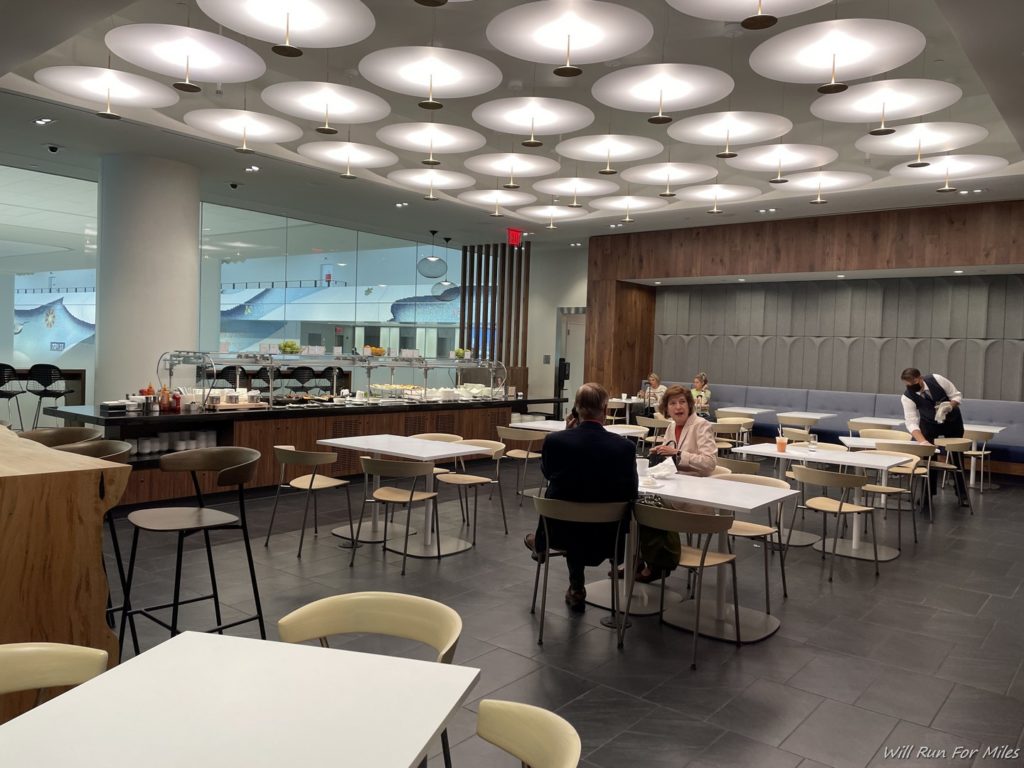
(585, 463)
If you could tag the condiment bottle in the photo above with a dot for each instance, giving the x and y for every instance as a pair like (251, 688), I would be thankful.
(165, 400)
(176, 404)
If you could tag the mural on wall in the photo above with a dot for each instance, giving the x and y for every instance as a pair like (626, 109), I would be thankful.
(46, 329)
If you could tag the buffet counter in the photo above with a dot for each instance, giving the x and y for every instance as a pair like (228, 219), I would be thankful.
(262, 429)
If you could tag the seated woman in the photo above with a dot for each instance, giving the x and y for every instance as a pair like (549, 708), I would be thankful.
(702, 396)
(690, 444)
(652, 393)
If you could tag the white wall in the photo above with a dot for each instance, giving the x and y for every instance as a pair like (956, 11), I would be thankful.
(556, 280)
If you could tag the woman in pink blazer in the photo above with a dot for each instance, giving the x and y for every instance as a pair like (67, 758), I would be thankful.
(690, 440)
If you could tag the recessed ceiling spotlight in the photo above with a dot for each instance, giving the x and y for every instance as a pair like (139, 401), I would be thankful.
(762, 210)
(341, 264)
(840, 277)
(976, 191)
(252, 169)
(44, 121)
(958, 271)
(965, 192)
(742, 279)
(401, 205)
(657, 282)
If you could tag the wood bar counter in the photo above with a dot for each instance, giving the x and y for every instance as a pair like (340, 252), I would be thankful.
(298, 427)
(52, 584)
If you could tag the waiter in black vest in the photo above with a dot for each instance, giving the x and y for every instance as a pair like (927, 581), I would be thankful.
(931, 409)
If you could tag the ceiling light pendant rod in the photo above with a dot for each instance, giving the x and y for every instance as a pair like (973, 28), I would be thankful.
(551, 222)
(287, 49)
(945, 187)
(511, 183)
(628, 218)
(107, 113)
(326, 127)
(575, 203)
(430, 102)
(608, 170)
(569, 70)
(759, 20)
(661, 118)
(533, 141)
(497, 213)
(186, 85)
(881, 130)
(778, 179)
(819, 200)
(430, 158)
(833, 86)
(668, 191)
(715, 208)
(245, 149)
(918, 163)
(348, 166)
(726, 153)
(430, 194)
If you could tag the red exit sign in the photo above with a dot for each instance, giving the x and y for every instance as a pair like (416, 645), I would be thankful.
(515, 236)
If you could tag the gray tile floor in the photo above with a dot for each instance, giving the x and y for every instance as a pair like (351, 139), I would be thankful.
(928, 655)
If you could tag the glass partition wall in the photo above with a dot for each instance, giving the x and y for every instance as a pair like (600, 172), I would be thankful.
(268, 280)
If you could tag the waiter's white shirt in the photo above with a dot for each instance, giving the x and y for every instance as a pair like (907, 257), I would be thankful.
(912, 417)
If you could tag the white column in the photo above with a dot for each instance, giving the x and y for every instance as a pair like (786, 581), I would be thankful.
(7, 320)
(147, 274)
(209, 304)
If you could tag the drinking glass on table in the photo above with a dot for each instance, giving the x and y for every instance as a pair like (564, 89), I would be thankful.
(812, 442)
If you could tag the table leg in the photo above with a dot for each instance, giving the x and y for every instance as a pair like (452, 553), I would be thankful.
(424, 546)
(374, 534)
(646, 597)
(852, 547)
(428, 508)
(974, 447)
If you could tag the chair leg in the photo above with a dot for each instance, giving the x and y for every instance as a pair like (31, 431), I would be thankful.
(384, 544)
(835, 542)
(273, 512)
(177, 583)
(501, 503)
(39, 406)
(874, 541)
(736, 602)
(359, 527)
(316, 517)
(767, 586)
(213, 579)
(408, 522)
(536, 582)
(351, 529)
(544, 598)
(782, 560)
(252, 565)
(437, 524)
(824, 533)
(446, 751)
(522, 482)
(21, 419)
(476, 504)
(127, 617)
(305, 517)
(696, 617)
(117, 558)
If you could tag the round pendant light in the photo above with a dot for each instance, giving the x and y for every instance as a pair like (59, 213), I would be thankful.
(575, 187)
(294, 24)
(629, 204)
(512, 166)
(883, 100)
(433, 138)
(551, 212)
(493, 198)
(669, 174)
(243, 127)
(831, 52)
(781, 158)
(327, 102)
(533, 116)
(727, 129)
(828, 181)
(951, 166)
(426, 178)
(569, 33)
(753, 14)
(923, 137)
(110, 87)
(346, 155)
(189, 54)
(605, 148)
(707, 193)
(433, 73)
(661, 88)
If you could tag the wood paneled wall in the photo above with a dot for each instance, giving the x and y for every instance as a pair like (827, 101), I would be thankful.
(620, 316)
(495, 307)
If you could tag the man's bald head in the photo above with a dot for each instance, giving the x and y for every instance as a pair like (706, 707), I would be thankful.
(592, 402)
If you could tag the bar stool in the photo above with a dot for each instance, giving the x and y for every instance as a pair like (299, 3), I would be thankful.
(385, 470)
(516, 435)
(11, 389)
(463, 482)
(839, 507)
(235, 466)
(287, 456)
(302, 375)
(46, 377)
(54, 436)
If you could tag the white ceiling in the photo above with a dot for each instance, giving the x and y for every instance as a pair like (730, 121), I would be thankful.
(288, 184)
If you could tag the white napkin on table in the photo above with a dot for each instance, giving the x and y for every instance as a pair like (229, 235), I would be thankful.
(664, 470)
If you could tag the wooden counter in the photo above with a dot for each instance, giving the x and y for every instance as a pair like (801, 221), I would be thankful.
(52, 584)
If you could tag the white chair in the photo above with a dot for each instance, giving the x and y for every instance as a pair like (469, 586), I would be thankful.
(616, 411)
(534, 736)
(38, 666)
(656, 427)
(378, 613)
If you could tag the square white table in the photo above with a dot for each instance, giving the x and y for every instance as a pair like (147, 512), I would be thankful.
(200, 700)
(740, 411)
(990, 431)
(881, 422)
(628, 402)
(419, 450)
(804, 415)
(844, 547)
(552, 425)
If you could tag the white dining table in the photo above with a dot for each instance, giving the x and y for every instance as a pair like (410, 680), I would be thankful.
(741, 411)
(881, 422)
(234, 702)
(416, 449)
(804, 415)
(554, 425)
(852, 547)
(629, 402)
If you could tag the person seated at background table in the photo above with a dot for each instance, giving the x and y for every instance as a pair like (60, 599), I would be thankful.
(585, 463)
(931, 409)
(652, 392)
(702, 396)
(690, 444)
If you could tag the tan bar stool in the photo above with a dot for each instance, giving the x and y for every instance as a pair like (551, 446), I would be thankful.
(530, 437)
(463, 482)
(287, 456)
(844, 483)
(389, 470)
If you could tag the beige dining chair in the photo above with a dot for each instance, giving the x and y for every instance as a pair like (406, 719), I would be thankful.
(955, 448)
(925, 453)
(39, 666)
(873, 491)
(463, 482)
(656, 428)
(531, 438)
(441, 437)
(797, 422)
(887, 434)
(534, 736)
(739, 466)
(980, 454)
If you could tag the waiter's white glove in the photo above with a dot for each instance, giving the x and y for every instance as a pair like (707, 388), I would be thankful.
(943, 411)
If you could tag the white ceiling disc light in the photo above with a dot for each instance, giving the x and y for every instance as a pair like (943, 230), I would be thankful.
(186, 53)
(953, 166)
(828, 181)
(431, 178)
(347, 154)
(328, 102)
(883, 100)
(294, 24)
(576, 186)
(605, 148)
(754, 14)
(436, 73)
(632, 203)
(723, 193)
(923, 137)
(569, 33)
(830, 52)
(662, 88)
(512, 165)
(496, 197)
(533, 115)
(783, 157)
(108, 86)
(669, 173)
(726, 129)
(243, 126)
(550, 212)
(436, 138)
